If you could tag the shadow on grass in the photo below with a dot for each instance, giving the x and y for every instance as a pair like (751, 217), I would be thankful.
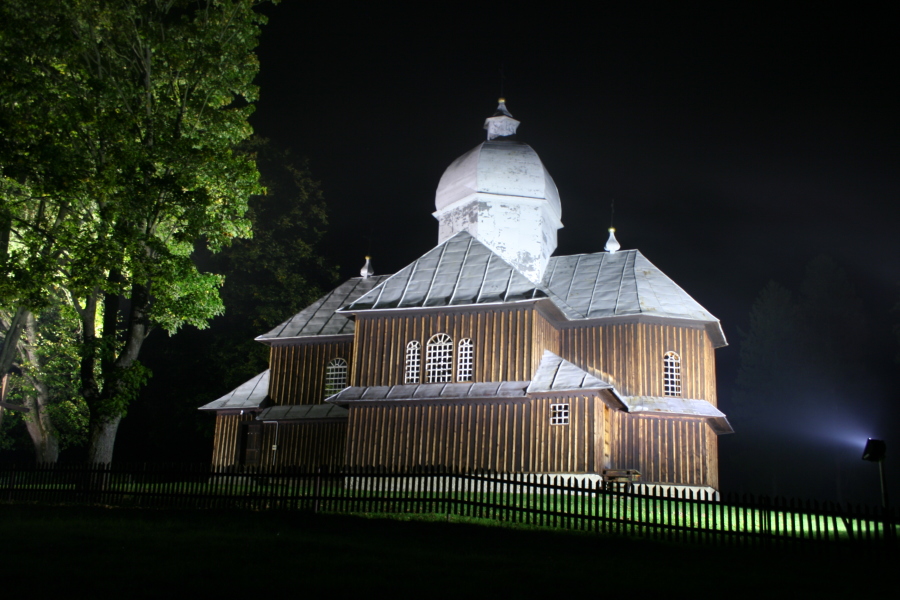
(142, 553)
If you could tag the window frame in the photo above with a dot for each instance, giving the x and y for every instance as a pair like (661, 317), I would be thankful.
(672, 374)
(412, 372)
(465, 360)
(336, 368)
(439, 359)
(559, 413)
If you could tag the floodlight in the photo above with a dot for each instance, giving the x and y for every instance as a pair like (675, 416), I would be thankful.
(875, 450)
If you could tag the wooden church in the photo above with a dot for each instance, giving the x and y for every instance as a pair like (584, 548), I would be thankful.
(489, 353)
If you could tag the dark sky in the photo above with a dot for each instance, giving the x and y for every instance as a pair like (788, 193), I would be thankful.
(737, 145)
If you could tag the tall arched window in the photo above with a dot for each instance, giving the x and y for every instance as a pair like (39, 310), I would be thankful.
(439, 359)
(464, 359)
(413, 361)
(672, 374)
(335, 376)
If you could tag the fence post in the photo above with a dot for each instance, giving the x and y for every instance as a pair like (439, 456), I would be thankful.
(318, 488)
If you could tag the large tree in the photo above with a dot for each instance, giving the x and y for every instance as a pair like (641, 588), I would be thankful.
(268, 278)
(121, 120)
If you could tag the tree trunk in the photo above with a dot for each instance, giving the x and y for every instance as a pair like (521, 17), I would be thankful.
(39, 425)
(103, 438)
(44, 438)
(11, 341)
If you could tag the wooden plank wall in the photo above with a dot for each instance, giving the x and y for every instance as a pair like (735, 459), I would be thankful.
(630, 356)
(508, 342)
(501, 437)
(304, 444)
(665, 449)
(225, 438)
(546, 337)
(297, 372)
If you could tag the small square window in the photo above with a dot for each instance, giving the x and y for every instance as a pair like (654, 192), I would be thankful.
(559, 414)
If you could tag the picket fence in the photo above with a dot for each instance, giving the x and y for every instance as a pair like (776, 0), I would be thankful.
(538, 500)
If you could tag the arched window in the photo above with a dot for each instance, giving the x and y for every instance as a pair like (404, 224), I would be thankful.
(413, 361)
(464, 360)
(335, 376)
(439, 359)
(672, 374)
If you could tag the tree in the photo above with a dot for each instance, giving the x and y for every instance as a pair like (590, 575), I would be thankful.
(268, 278)
(47, 382)
(124, 117)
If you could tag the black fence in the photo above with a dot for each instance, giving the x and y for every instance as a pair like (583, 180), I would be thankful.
(556, 501)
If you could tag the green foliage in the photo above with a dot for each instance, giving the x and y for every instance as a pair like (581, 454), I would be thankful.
(268, 278)
(54, 366)
(119, 124)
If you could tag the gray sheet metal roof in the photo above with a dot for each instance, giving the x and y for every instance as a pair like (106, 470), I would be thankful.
(670, 405)
(430, 391)
(591, 286)
(460, 271)
(320, 318)
(556, 374)
(250, 394)
(302, 412)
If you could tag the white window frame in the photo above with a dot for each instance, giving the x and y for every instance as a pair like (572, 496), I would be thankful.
(413, 362)
(559, 414)
(465, 359)
(335, 376)
(671, 374)
(439, 359)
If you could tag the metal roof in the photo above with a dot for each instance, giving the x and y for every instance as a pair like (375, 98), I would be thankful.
(556, 374)
(431, 391)
(459, 271)
(250, 394)
(672, 405)
(604, 284)
(320, 318)
(302, 412)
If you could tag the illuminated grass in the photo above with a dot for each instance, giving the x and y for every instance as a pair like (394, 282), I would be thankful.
(588, 510)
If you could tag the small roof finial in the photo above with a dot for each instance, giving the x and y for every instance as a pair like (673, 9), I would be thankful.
(501, 123)
(612, 244)
(367, 270)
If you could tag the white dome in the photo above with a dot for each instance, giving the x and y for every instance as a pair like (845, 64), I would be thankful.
(504, 167)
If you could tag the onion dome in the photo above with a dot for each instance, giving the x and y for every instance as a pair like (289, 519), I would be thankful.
(501, 194)
(501, 166)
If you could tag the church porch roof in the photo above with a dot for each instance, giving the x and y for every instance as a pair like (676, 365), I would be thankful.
(303, 412)
(252, 394)
(556, 375)
(507, 390)
(675, 406)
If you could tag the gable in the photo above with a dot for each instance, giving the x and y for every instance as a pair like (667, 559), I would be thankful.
(461, 271)
(625, 283)
(320, 317)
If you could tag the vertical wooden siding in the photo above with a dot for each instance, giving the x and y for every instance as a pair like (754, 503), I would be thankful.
(665, 449)
(226, 438)
(497, 436)
(508, 343)
(297, 372)
(304, 444)
(630, 356)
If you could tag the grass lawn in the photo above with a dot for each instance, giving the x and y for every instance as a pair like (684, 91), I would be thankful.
(127, 553)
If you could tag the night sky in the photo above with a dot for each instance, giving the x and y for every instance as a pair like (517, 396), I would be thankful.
(737, 145)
